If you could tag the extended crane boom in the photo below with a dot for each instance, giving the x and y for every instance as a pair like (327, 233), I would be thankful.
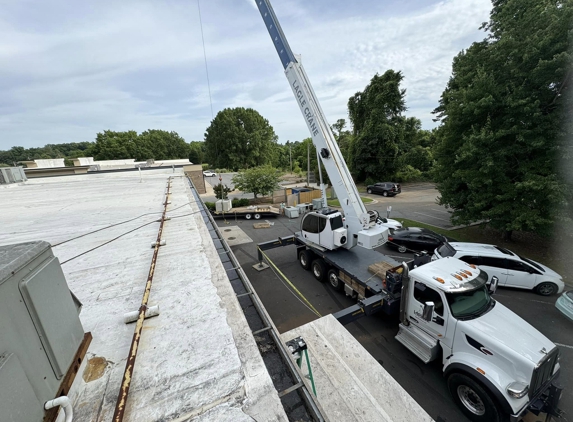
(361, 224)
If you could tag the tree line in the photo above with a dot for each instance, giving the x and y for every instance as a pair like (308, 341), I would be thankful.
(110, 145)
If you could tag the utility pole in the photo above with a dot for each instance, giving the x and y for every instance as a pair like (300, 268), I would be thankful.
(308, 164)
(290, 154)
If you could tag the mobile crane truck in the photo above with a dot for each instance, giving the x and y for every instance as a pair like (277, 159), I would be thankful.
(495, 363)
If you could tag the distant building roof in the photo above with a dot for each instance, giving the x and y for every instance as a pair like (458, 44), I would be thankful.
(44, 164)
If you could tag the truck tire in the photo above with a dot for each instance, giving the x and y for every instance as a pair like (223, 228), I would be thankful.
(319, 269)
(473, 399)
(248, 216)
(305, 258)
(546, 288)
(385, 193)
(336, 283)
(257, 216)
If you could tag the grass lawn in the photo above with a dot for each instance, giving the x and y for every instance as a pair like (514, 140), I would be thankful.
(549, 251)
(336, 203)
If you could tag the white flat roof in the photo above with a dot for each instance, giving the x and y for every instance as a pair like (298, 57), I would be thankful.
(198, 358)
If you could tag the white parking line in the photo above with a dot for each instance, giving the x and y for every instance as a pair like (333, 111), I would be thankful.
(431, 216)
(564, 345)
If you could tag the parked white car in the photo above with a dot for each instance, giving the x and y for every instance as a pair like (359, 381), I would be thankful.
(511, 269)
(209, 173)
(391, 224)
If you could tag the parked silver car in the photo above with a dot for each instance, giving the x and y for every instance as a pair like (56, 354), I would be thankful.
(565, 304)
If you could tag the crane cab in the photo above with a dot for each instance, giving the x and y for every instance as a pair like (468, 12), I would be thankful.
(324, 228)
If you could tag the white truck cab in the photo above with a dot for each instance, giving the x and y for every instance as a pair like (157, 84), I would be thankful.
(495, 362)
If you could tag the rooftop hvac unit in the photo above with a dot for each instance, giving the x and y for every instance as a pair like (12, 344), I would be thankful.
(40, 331)
(291, 212)
(12, 175)
(317, 203)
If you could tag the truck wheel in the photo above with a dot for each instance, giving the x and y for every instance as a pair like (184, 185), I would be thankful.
(257, 216)
(368, 190)
(334, 281)
(319, 269)
(248, 216)
(304, 257)
(546, 289)
(473, 400)
(385, 193)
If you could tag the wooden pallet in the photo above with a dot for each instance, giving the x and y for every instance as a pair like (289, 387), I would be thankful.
(358, 288)
(261, 225)
(379, 269)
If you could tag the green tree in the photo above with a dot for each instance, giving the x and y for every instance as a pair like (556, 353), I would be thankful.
(258, 180)
(221, 191)
(343, 138)
(112, 145)
(376, 115)
(502, 117)
(197, 152)
(160, 145)
(281, 156)
(239, 138)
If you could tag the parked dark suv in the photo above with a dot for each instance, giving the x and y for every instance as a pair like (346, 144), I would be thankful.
(385, 188)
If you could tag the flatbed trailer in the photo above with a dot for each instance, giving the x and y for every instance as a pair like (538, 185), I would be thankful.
(347, 270)
(248, 213)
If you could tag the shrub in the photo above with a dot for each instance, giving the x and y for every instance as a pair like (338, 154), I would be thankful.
(210, 206)
(409, 174)
(221, 191)
(244, 202)
(369, 181)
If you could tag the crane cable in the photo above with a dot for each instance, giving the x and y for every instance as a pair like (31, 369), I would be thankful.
(205, 55)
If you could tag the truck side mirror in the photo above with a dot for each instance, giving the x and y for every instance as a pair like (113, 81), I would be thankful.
(493, 285)
(428, 311)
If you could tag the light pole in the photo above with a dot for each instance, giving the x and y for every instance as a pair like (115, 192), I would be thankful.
(290, 154)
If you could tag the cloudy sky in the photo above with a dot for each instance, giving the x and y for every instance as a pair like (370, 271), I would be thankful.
(70, 69)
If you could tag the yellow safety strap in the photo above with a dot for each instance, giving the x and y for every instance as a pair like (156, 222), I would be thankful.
(291, 285)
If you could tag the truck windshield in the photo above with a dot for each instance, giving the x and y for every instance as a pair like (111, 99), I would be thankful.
(470, 304)
(446, 250)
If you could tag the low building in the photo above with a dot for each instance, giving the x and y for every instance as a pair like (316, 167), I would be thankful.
(198, 359)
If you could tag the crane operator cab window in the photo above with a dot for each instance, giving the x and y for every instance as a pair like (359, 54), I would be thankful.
(423, 294)
(313, 223)
(336, 222)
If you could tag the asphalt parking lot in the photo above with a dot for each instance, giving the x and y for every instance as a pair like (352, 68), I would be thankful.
(424, 382)
(416, 202)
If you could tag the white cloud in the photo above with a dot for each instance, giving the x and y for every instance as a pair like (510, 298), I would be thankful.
(139, 65)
